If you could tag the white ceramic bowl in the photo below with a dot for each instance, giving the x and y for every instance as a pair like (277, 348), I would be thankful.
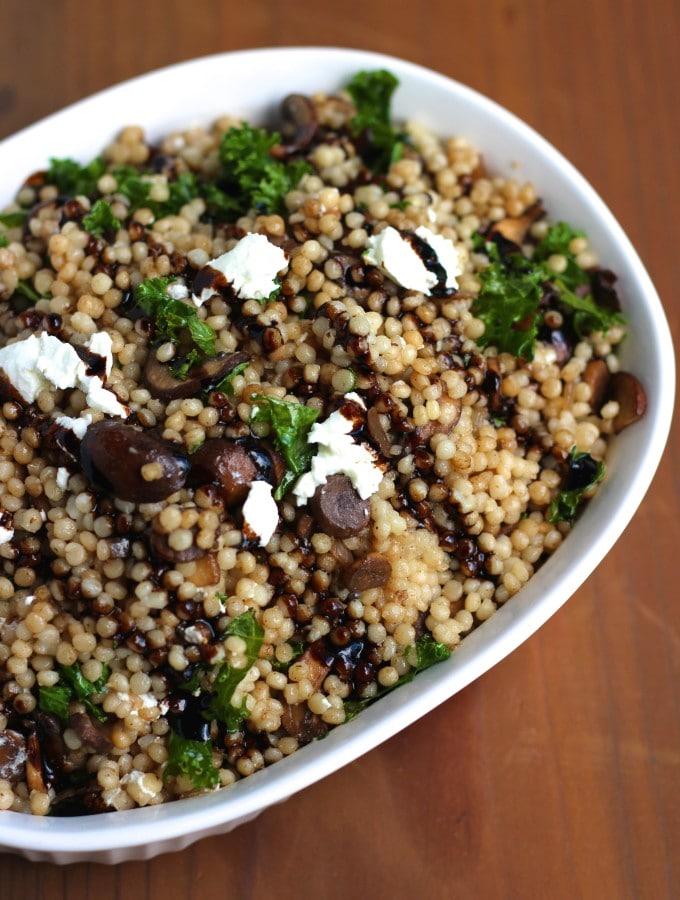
(250, 84)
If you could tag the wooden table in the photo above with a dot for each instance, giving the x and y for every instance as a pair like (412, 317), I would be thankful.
(557, 774)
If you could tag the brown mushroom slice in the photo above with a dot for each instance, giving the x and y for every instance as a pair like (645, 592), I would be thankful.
(310, 667)
(228, 465)
(271, 466)
(515, 228)
(298, 126)
(373, 571)
(34, 768)
(161, 383)
(596, 376)
(130, 464)
(89, 733)
(338, 509)
(206, 571)
(627, 391)
(300, 722)
(341, 552)
(160, 547)
(449, 416)
(13, 756)
(55, 762)
(375, 428)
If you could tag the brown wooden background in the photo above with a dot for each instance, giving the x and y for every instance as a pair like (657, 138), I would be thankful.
(556, 775)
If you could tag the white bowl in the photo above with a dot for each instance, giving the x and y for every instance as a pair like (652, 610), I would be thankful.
(250, 84)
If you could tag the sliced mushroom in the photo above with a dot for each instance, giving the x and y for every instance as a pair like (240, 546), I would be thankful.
(338, 509)
(341, 552)
(130, 464)
(89, 733)
(162, 383)
(55, 764)
(602, 283)
(206, 571)
(270, 464)
(228, 465)
(314, 664)
(373, 571)
(377, 432)
(12, 756)
(298, 126)
(34, 769)
(161, 548)
(300, 722)
(631, 397)
(596, 376)
(80, 800)
(450, 410)
(515, 228)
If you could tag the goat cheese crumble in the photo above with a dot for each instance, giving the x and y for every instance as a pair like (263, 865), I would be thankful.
(77, 426)
(47, 363)
(251, 268)
(260, 512)
(399, 259)
(339, 454)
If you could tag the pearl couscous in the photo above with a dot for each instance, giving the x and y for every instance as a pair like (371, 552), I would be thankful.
(165, 627)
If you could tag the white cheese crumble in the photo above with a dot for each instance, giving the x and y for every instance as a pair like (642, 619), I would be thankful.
(63, 476)
(77, 426)
(45, 363)
(260, 512)
(398, 259)
(177, 290)
(6, 535)
(250, 267)
(138, 783)
(339, 454)
(193, 635)
(148, 701)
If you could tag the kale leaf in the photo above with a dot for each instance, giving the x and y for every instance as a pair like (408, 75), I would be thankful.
(425, 652)
(422, 654)
(513, 286)
(72, 178)
(508, 304)
(13, 219)
(132, 184)
(101, 220)
(171, 316)
(55, 699)
(372, 93)
(249, 171)
(226, 386)
(228, 678)
(26, 289)
(193, 759)
(291, 423)
(135, 184)
(72, 684)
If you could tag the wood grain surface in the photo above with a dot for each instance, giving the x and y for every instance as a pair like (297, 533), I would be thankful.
(557, 774)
